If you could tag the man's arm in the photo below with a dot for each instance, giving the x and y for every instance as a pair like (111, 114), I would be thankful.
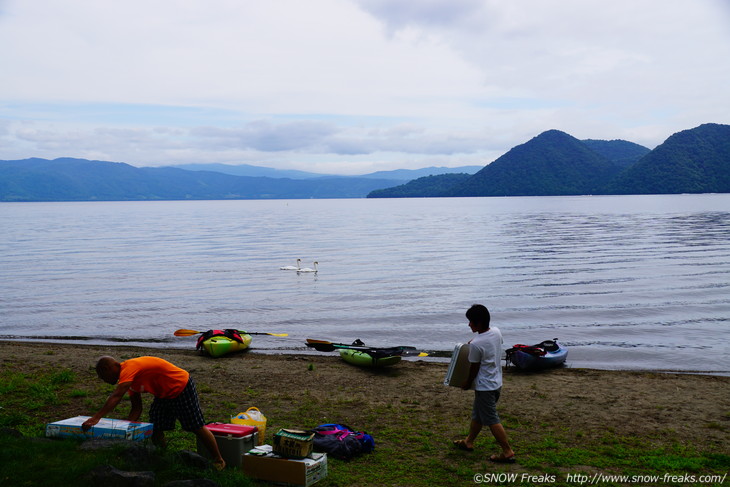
(136, 411)
(108, 406)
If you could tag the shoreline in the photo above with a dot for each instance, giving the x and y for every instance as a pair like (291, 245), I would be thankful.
(306, 352)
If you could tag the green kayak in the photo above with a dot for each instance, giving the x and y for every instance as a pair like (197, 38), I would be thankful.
(218, 346)
(365, 359)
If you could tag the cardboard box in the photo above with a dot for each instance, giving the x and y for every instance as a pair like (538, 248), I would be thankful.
(262, 464)
(293, 443)
(105, 428)
(233, 441)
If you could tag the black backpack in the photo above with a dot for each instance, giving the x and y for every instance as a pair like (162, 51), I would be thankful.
(341, 442)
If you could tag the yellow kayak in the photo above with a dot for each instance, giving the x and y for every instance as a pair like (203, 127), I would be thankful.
(218, 346)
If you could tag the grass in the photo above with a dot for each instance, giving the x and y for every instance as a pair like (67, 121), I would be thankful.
(412, 448)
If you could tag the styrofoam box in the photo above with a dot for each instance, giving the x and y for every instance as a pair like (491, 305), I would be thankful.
(459, 366)
(105, 428)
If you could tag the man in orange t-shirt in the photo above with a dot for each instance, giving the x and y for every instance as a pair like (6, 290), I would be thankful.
(175, 398)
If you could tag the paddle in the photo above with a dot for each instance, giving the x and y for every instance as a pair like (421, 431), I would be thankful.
(325, 346)
(187, 333)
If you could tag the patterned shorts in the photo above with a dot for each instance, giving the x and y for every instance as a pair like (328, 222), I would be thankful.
(185, 407)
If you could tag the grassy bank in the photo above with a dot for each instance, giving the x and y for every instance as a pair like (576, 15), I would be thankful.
(562, 424)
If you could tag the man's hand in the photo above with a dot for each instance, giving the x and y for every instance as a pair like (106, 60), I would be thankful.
(89, 423)
(108, 406)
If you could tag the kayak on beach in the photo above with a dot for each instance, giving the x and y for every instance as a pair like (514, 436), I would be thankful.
(370, 358)
(222, 342)
(546, 354)
(217, 343)
(218, 346)
(361, 355)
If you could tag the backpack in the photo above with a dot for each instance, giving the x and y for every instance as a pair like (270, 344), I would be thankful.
(341, 442)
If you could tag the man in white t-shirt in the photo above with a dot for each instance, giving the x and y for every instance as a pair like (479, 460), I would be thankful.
(485, 353)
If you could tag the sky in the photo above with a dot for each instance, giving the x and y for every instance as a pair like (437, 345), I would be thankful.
(351, 86)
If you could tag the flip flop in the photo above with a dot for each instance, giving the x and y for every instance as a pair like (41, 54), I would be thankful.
(502, 459)
(461, 445)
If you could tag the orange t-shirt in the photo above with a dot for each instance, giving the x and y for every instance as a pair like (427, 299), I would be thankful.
(154, 375)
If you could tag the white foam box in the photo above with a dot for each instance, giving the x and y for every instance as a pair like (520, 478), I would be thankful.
(262, 464)
(233, 441)
(459, 366)
(105, 428)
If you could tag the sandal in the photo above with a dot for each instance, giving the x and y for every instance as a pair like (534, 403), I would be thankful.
(502, 459)
(461, 445)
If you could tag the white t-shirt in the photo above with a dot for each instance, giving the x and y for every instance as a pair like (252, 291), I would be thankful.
(486, 349)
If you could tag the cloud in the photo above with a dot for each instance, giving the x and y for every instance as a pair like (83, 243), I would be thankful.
(398, 15)
(269, 137)
(352, 82)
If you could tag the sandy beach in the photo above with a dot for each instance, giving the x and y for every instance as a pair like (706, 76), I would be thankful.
(580, 404)
(697, 407)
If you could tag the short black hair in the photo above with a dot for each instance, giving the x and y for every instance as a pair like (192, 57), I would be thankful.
(478, 314)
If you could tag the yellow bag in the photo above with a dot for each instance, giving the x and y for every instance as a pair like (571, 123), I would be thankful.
(252, 417)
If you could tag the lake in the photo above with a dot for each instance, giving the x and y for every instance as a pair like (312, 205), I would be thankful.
(626, 282)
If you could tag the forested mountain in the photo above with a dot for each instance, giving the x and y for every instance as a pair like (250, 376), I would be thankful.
(435, 186)
(620, 152)
(691, 161)
(553, 163)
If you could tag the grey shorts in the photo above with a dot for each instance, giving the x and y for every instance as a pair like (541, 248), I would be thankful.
(185, 407)
(484, 411)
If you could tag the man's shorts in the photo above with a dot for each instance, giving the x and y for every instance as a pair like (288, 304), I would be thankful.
(184, 407)
(484, 410)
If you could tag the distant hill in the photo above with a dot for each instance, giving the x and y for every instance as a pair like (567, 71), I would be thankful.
(252, 171)
(691, 161)
(434, 186)
(411, 174)
(553, 163)
(620, 152)
(67, 179)
(258, 171)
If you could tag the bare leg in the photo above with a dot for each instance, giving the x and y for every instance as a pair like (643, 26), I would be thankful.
(207, 438)
(501, 436)
(468, 442)
(158, 438)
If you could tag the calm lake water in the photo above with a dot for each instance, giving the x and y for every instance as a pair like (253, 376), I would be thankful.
(626, 282)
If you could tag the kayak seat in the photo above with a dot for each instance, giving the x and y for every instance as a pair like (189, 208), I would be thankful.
(549, 346)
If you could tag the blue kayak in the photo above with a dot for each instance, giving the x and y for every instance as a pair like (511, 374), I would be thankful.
(544, 355)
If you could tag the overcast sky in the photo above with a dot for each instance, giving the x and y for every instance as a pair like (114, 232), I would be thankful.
(351, 86)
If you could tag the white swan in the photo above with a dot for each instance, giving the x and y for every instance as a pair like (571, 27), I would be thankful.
(291, 267)
(309, 269)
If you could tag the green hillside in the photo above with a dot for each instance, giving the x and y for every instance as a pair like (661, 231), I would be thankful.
(691, 161)
(434, 186)
(553, 163)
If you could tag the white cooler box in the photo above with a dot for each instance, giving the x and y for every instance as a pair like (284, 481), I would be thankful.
(233, 441)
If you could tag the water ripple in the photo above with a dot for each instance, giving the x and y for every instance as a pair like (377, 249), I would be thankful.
(621, 279)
